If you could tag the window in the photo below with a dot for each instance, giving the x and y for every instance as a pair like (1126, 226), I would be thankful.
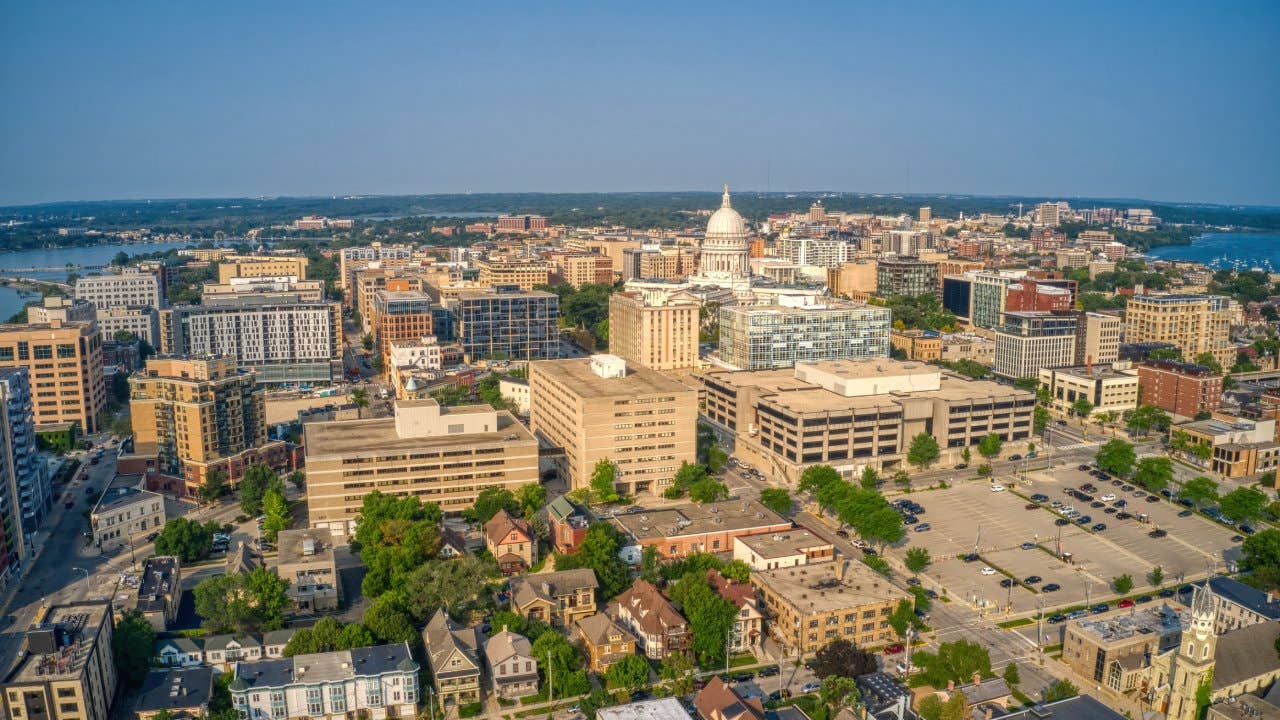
(6, 353)
(44, 352)
(66, 350)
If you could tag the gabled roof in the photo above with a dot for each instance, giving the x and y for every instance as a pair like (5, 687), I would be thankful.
(597, 629)
(502, 525)
(181, 644)
(175, 689)
(985, 691)
(279, 637)
(525, 589)
(454, 540)
(242, 560)
(562, 508)
(735, 592)
(445, 643)
(652, 611)
(504, 646)
(221, 642)
(1245, 653)
(718, 701)
(1251, 598)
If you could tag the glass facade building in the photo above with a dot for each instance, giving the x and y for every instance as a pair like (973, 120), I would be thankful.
(508, 323)
(767, 337)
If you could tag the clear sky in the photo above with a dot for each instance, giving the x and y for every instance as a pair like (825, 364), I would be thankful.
(1160, 100)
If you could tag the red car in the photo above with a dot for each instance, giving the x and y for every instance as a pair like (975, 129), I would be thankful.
(894, 649)
(1125, 603)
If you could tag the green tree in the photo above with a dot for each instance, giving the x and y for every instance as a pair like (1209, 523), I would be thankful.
(630, 673)
(930, 707)
(677, 669)
(1147, 418)
(1156, 576)
(390, 623)
(923, 451)
(360, 397)
(455, 585)
(1207, 359)
(298, 479)
(917, 559)
(258, 479)
(708, 490)
(816, 477)
(366, 341)
(1199, 490)
(989, 446)
(954, 661)
(328, 635)
(190, 541)
(489, 502)
(603, 478)
(242, 603)
(214, 486)
(842, 658)
(531, 498)
(903, 616)
(1244, 504)
(870, 479)
(599, 551)
(651, 564)
(276, 510)
(1082, 407)
(710, 617)
(1039, 419)
(1060, 690)
(1116, 457)
(1154, 473)
(1122, 584)
(838, 693)
(131, 647)
(1011, 674)
(777, 500)
(394, 536)
(560, 665)
(1260, 559)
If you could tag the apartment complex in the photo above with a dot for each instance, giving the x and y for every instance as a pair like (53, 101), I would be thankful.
(1097, 338)
(578, 269)
(658, 335)
(197, 414)
(1180, 388)
(1194, 323)
(854, 414)
(988, 291)
(67, 671)
(854, 279)
(520, 223)
(131, 287)
(23, 474)
(525, 273)
(678, 531)
(64, 365)
(598, 408)
(399, 317)
(1030, 341)
(906, 276)
(62, 309)
(281, 339)
(275, 286)
(442, 455)
(261, 266)
(370, 682)
(811, 605)
(1030, 296)
(306, 560)
(354, 259)
(1105, 388)
(508, 323)
(142, 322)
(776, 336)
(802, 249)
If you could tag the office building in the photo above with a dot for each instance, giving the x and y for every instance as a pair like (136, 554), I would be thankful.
(811, 605)
(399, 317)
(599, 408)
(578, 269)
(988, 294)
(62, 309)
(67, 671)
(777, 336)
(968, 346)
(1239, 447)
(654, 263)
(64, 366)
(521, 223)
(771, 551)
(307, 561)
(1032, 296)
(1196, 324)
(25, 477)
(1116, 651)
(1047, 214)
(854, 414)
(142, 322)
(526, 274)
(922, 345)
(196, 415)
(906, 276)
(125, 516)
(261, 266)
(507, 323)
(1180, 388)
(281, 286)
(1028, 342)
(1105, 388)
(855, 279)
(1097, 338)
(658, 335)
(282, 340)
(127, 288)
(370, 682)
(442, 455)
(379, 255)
(678, 531)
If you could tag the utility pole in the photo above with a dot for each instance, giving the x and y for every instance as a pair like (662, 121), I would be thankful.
(551, 680)
(1040, 630)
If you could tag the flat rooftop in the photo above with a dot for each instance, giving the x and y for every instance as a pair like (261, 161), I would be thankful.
(694, 519)
(827, 306)
(72, 630)
(341, 437)
(293, 546)
(816, 589)
(1154, 622)
(661, 709)
(577, 375)
(118, 497)
(784, 544)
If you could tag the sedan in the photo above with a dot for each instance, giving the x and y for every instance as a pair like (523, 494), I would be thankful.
(1237, 538)
(1083, 468)
(988, 571)
(1032, 579)
(1051, 587)
(923, 527)
(1084, 519)
(1109, 511)
(1095, 504)
(1167, 593)
(1099, 608)
(1055, 619)
(1061, 521)
(769, 671)
(1121, 503)
(894, 649)
(1158, 533)
(1109, 497)
(1123, 516)
(1028, 546)
(1143, 599)
(995, 487)
(1126, 603)
(961, 466)
(1117, 482)
(910, 519)
(1015, 457)
(1099, 527)
(1126, 488)
(1152, 498)
(971, 557)
(1185, 513)
(811, 686)
(1007, 582)
(1032, 506)
(1039, 497)
(913, 582)
(1185, 503)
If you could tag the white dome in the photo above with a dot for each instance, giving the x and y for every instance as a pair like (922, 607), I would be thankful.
(726, 220)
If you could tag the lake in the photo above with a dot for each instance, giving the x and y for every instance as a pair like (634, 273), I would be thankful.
(1222, 250)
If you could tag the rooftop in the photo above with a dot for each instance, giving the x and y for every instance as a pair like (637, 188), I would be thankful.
(787, 544)
(695, 519)
(159, 583)
(175, 689)
(118, 497)
(827, 305)
(1156, 621)
(816, 588)
(379, 435)
(59, 644)
(1080, 707)
(661, 709)
(325, 667)
(1245, 707)
(1231, 590)
(577, 374)
(309, 545)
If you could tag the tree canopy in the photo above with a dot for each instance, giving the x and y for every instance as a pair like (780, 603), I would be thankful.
(258, 479)
(187, 539)
(243, 603)
(1244, 504)
(923, 450)
(1154, 473)
(394, 535)
(131, 647)
(777, 500)
(1116, 457)
(842, 658)
(989, 447)
(328, 635)
(599, 551)
(954, 661)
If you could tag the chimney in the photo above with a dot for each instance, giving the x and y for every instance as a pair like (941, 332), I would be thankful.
(977, 678)
(840, 570)
(988, 713)
(951, 685)
(1271, 596)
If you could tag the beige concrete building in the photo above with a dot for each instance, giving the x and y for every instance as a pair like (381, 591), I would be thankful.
(855, 279)
(306, 560)
(771, 551)
(67, 672)
(442, 455)
(922, 345)
(261, 266)
(968, 347)
(63, 309)
(64, 362)
(659, 263)
(124, 515)
(578, 269)
(1106, 388)
(811, 605)
(130, 287)
(598, 408)
(1115, 651)
(1097, 338)
(269, 286)
(852, 414)
(659, 336)
(1194, 323)
(525, 273)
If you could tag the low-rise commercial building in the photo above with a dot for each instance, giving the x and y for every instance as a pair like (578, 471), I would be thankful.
(1105, 388)
(372, 682)
(67, 671)
(125, 515)
(442, 455)
(680, 530)
(771, 551)
(1180, 388)
(775, 336)
(1240, 447)
(306, 560)
(1116, 651)
(808, 606)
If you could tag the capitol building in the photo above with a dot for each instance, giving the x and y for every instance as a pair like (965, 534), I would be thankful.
(725, 259)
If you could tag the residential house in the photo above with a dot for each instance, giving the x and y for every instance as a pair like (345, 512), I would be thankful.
(981, 696)
(718, 701)
(511, 665)
(224, 651)
(646, 612)
(511, 542)
(748, 625)
(179, 693)
(178, 652)
(559, 598)
(242, 560)
(370, 682)
(306, 559)
(568, 524)
(453, 660)
(606, 641)
(453, 543)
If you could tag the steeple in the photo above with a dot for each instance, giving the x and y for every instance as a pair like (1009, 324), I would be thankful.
(724, 201)
(1202, 613)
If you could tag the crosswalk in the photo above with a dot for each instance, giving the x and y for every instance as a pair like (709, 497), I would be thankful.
(1085, 445)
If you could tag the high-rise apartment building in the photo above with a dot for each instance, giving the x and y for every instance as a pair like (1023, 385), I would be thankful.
(281, 339)
(273, 286)
(445, 455)
(654, 263)
(1196, 324)
(578, 269)
(990, 291)
(508, 323)
(524, 273)
(126, 288)
(1047, 214)
(1031, 296)
(64, 361)
(25, 474)
(376, 255)
(827, 251)
(261, 266)
(1029, 342)
(1097, 338)
(62, 309)
(599, 408)
(775, 336)
(906, 276)
(141, 321)
(196, 414)
(67, 671)
(1180, 388)
(657, 335)
(399, 317)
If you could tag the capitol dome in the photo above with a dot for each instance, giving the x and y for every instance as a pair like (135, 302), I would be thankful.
(726, 220)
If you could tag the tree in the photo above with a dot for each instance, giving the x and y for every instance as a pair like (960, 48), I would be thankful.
(1156, 576)
(923, 451)
(328, 635)
(630, 673)
(276, 511)
(455, 585)
(1147, 418)
(777, 500)
(955, 661)
(917, 559)
(599, 551)
(1207, 359)
(560, 663)
(966, 456)
(1122, 584)
(1154, 473)
(870, 479)
(837, 692)
(1199, 490)
(1116, 457)
(1261, 551)
(491, 500)
(1082, 407)
(1060, 690)
(1039, 419)
(902, 479)
(708, 490)
(603, 478)
(677, 669)
(214, 486)
(242, 603)
(902, 617)
(1244, 504)
(989, 446)
(394, 535)
(360, 397)
(842, 658)
(378, 365)
(710, 616)
(816, 477)
(930, 707)
(131, 647)
(258, 479)
(390, 623)
(531, 498)
(366, 341)
(1011, 675)
(188, 540)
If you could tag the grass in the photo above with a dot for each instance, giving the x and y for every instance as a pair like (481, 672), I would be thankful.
(1021, 697)
(1010, 624)
(537, 697)
(742, 660)
(470, 710)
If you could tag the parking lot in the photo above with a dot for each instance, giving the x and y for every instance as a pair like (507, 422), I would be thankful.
(1025, 543)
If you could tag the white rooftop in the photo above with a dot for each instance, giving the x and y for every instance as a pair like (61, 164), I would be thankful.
(661, 709)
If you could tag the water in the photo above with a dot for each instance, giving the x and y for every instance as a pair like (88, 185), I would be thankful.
(1226, 250)
(59, 257)
(11, 302)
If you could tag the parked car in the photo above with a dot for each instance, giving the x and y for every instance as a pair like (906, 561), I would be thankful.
(1028, 546)
(1061, 521)
(971, 557)
(988, 571)
(1109, 511)
(1185, 513)
(1032, 579)
(813, 685)
(1039, 497)
(961, 466)
(1007, 582)
(1015, 457)
(842, 533)
(923, 527)
(1099, 527)
(996, 487)
(1099, 608)
(1051, 587)
(1083, 468)
(1158, 533)
(1109, 497)
(1032, 506)
(1055, 619)
(1142, 599)
(1125, 603)
(770, 671)
(894, 649)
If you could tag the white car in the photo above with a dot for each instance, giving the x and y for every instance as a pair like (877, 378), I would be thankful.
(1108, 497)
(997, 488)
(988, 571)
(811, 686)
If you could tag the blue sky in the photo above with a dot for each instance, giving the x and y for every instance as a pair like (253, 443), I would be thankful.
(1161, 100)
